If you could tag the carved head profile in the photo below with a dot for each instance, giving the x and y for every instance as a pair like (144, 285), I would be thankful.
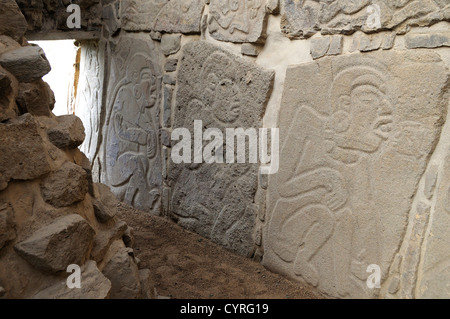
(221, 92)
(143, 81)
(361, 116)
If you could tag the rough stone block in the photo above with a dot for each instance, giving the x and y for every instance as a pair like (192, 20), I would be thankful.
(58, 245)
(27, 64)
(68, 133)
(65, 186)
(22, 151)
(237, 21)
(132, 161)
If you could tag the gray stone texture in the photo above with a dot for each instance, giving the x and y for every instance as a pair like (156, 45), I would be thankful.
(237, 21)
(12, 21)
(91, 95)
(176, 16)
(20, 61)
(170, 43)
(7, 224)
(355, 142)
(302, 19)
(224, 91)
(123, 273)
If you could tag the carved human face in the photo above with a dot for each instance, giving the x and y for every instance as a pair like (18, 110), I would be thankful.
(144, 88)
(223, 95)
(226, 105)
(371, 118)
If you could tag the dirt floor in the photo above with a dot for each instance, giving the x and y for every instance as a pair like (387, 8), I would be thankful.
(185, 265)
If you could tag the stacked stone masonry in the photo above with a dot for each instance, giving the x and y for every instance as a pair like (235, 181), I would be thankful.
(358, 89)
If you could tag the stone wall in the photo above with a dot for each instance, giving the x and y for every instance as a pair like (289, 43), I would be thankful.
(52, 215)
(359, 90)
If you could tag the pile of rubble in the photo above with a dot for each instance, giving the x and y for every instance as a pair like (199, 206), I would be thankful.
(52, 215)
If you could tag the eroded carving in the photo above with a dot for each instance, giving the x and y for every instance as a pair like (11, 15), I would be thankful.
(89, 102)
(133, 163)
(351, 158)
(305, 18)
(176, 16)
(216, 200)
(237, 20)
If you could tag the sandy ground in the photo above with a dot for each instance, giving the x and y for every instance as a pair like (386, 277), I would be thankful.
(185, 265)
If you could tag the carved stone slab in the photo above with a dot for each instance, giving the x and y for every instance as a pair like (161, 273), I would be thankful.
(356, 133)
(176, 16)
(90, 95)
(223, 91)
(237, 20)
(305, 18)
(131, 148)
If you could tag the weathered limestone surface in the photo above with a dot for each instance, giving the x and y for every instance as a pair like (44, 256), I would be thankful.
(132, 152)
(176, 16)
(58, 245)
(237, 21)
(305, 18)
(90, 98)
(224, 91)
(36, 98)
(351, 159)
(66, 186)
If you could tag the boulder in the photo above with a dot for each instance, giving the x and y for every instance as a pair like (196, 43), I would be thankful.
(102, 212)
(104, 239)
(68, 134)
(123, 273)
(27, 64)
(22, 151)
(36, 98)
(94, 285)
(12, 21)
(54, 247)
(66, 186)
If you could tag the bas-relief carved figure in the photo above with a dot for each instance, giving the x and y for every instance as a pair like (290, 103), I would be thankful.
(216, 200)
(133, 163)
(162, 15)
(351, 158)
(237, 20)
(90, 102)
(303, 18)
